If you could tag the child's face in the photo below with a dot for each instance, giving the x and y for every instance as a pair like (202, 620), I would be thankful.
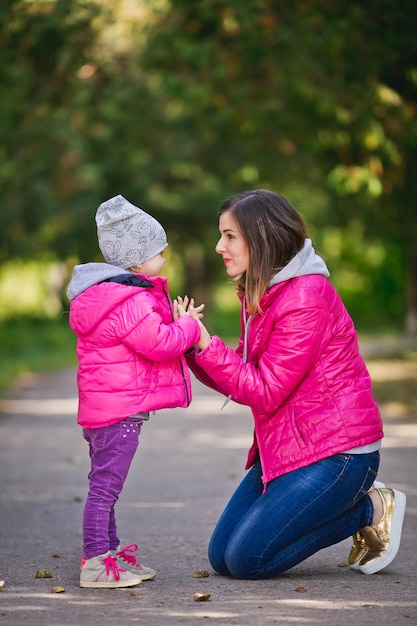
(153, 266)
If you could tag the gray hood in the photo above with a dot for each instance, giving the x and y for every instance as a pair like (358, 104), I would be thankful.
(88, 274)
(304, 263)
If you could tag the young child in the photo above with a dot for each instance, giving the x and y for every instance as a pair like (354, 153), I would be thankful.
(130, 349)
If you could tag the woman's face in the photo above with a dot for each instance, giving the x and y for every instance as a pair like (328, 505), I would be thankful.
(232, 246)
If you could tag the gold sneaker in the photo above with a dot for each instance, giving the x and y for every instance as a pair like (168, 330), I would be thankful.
(359, 545)
(383, 539)
(358, 550)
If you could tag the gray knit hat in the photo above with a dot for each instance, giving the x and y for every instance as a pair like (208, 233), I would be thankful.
(127, 236)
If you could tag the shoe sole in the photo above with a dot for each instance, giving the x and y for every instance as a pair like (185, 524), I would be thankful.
(147, 576)
(376, 485)
(113, 585)
(396, 530)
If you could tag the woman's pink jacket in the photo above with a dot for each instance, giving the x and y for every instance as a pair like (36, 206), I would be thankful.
(304, 379)
(130, 351)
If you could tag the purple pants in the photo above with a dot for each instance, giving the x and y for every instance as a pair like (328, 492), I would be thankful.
(112, 449)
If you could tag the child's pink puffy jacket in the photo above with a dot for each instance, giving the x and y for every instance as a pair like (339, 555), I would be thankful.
(130, 352)
(305, 381)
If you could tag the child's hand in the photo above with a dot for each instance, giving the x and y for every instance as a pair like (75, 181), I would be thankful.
(175, 313)
(180, 307)
(184, 306)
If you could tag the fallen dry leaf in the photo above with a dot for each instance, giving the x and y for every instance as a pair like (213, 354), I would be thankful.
(343, 565)
(301, 589)
(202, 597)
(2, 583)
(57, 590)
(201, 573)
(43, 573)
(133, 593)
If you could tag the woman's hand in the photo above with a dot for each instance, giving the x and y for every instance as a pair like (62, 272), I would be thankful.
(185, 306)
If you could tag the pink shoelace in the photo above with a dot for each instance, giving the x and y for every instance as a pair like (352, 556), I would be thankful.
(111, 564)
(127, 554)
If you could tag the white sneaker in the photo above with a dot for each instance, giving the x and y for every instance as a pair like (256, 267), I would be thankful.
(130, 561)
(103, 571)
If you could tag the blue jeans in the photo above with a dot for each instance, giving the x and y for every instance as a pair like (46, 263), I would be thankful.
(261, 535)
(112, 449)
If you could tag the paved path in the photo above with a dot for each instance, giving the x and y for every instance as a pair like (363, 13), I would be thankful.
(188, 464)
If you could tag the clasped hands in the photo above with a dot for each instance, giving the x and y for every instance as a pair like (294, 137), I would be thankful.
(185, 306)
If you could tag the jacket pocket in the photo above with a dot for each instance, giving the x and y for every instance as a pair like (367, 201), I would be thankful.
(298, 435)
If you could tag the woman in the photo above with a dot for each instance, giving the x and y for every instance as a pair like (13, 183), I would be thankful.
(317, 429)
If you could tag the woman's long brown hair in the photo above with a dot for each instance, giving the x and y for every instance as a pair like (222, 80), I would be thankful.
(274, 233)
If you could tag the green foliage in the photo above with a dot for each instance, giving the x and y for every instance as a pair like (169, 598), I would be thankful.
(43, 46)
(31, 289)
(179, 104)
(29, 344)
(279, 91)
(368, 275)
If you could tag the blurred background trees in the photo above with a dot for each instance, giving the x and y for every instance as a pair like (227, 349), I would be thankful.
(178, 104)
